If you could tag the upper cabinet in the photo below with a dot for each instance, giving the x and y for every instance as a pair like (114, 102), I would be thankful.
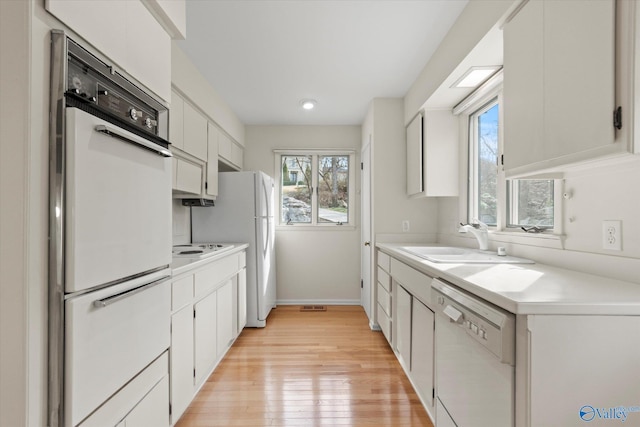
(432, 154)
(187, 128)
(127, 33)
(559, 85)
(230, 154)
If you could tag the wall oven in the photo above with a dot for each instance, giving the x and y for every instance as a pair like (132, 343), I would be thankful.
(110, 235)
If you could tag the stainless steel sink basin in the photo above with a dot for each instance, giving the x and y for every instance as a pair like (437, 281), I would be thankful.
(447, 254)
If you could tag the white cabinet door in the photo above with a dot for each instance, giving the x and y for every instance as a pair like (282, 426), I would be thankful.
(176, 121)
(415, 177)
(225, 317)
(403, 327)
(422, 339)
(242, 300)
(211, 188)
(582, 369)
(195, 132)
(237, 155)
(182, 345)
(224, 146)
(188, 176)
(153, 410)
(440, 157)
(205, 327)
(559, 84)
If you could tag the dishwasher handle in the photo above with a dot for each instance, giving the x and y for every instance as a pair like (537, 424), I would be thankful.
(453, 314)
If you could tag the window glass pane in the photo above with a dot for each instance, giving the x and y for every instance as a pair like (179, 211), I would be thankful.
(532, 203)
(487, 149)
(333, 189)
(296, 189)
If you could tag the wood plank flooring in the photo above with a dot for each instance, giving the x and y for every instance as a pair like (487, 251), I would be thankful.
(322, 368)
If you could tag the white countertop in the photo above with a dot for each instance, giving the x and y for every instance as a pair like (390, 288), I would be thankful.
(181, 265)
(531, 288)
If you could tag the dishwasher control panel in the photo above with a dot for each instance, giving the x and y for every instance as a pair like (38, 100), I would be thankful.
(488, 324)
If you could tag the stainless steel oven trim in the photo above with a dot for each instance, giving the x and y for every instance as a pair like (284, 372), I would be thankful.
(56, 228)
(104, 302)
(113, 132)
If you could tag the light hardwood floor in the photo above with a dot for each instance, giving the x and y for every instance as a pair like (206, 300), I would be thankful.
(308, 369)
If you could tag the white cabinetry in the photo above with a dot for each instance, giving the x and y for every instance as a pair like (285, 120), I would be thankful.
(567, 388)
(187, 175)
(230, 153)
(211, 186)
(432, 154)
(559, 85)
(207, 305)
(403, 327)
(205, 327)
(384, 309)
(422, 351)
(187, 127)
(414, 325)
(123, 30)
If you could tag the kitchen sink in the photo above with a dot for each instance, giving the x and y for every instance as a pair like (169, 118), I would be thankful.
(447, 254)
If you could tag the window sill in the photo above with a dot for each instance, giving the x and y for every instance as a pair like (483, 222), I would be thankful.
(315, 227)
(545, 240)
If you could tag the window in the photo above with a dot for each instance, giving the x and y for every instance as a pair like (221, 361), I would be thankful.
(316, 188)
(492, 199)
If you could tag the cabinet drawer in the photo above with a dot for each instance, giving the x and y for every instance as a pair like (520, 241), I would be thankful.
(384, 261)
(181, 292)
(384, 299)
(209, 279)
(384, 279)
(416, 283)
(385, 323)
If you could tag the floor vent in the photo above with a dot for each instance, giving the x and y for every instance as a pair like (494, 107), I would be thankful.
(313, 308)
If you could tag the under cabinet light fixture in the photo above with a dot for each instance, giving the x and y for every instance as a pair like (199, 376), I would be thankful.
(475, 76)
(308, 104)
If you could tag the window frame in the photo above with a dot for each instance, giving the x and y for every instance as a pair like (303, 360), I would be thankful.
(315, 155)
(477, 102)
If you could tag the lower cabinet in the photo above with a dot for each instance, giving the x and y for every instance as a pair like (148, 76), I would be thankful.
(208, 313)
(403, 327)
(413, 325)
(204, 332)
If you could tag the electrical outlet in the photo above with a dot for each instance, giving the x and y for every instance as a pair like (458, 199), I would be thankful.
(612, 235)
(405, 225)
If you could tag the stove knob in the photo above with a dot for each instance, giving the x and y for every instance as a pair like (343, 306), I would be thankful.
(103, 92)
(149, 122)
(134, 114)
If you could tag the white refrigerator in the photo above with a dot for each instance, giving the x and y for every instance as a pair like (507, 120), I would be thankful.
(244, 213)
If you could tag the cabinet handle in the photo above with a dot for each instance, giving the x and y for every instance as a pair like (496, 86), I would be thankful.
(367, 243)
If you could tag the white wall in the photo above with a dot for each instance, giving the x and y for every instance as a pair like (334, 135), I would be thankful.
(313, 266)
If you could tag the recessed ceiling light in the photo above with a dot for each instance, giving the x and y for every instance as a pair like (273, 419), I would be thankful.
(308, 104)
(474, 76)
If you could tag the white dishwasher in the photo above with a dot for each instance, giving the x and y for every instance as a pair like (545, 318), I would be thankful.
(475, 358)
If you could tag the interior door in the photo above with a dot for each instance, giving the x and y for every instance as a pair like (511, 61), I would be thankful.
(366, 253)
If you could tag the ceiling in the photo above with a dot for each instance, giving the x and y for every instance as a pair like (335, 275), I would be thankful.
(263, 57)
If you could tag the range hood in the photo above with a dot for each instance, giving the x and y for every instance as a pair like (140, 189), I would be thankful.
(198, 202)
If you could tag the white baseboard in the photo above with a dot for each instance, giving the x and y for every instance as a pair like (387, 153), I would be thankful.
(318, 302)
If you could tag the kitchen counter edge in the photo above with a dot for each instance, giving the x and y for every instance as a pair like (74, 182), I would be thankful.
(184, 265)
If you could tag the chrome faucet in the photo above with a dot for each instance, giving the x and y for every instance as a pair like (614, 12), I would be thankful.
(479, 230)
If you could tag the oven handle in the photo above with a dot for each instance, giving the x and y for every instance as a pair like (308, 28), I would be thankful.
(133, 139)
(99, 303)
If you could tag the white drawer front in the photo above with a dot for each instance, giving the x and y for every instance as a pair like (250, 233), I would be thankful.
(384, 299)
(218, 271)
(107, 346)
(181, 292)
(385, 323)
(384, 279)
(384, 261)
